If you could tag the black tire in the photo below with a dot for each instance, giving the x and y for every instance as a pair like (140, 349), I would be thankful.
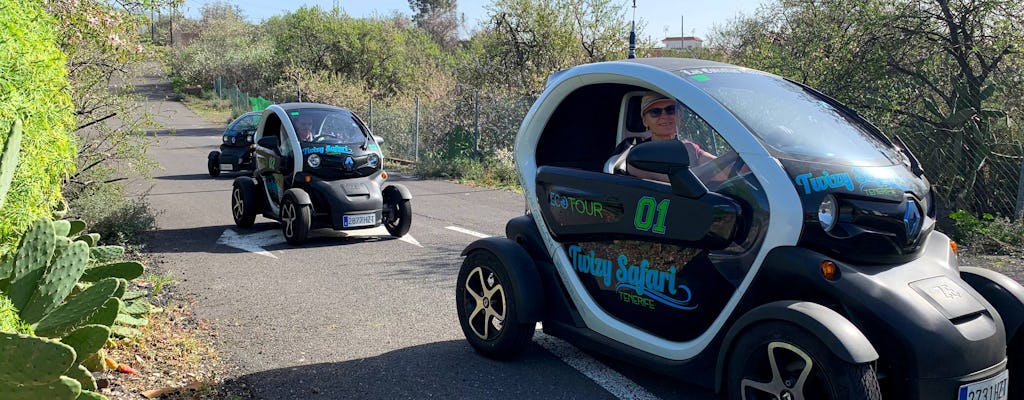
(399, 220)
(213, 163)
(1015, 363)
(485, 300)
(244, 204)
(295, 220)
(780, 360)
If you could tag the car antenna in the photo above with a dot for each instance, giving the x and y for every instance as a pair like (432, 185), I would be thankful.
(632, 34)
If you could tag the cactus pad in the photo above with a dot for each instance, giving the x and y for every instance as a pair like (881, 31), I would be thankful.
(87, 340)
(30, 262)
(89, 239)
(90, 395)
(30, 360)
(83, 376)
(133, 294)
(105, 254)
(77, 226)
(63, 388)
(6, 268)
(107, 314)
(62, 227)
(9, 160)
(138, 307)
(57, 282)
(125, 319)
(72, 314)
(125, 270)
(125, 332)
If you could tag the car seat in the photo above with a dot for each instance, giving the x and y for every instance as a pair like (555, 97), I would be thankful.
(632, 132)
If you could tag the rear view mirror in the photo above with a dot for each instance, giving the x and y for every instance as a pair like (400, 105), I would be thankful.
(668, 157)
(269, 142)
(379, 140)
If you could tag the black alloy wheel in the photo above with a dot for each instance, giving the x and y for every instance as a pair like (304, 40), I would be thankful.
(781, 361)
(244, 205)
(485, 301)
(213, 163)
(295, 220)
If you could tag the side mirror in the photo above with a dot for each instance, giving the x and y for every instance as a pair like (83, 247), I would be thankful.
(668, 157)
(269, 142)
(379, 140)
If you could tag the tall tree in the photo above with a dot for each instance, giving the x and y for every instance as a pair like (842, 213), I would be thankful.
(440, 18)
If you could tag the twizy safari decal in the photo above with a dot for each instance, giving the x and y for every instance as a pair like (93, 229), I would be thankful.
(871, 182)
(637, 282)
(329, 149)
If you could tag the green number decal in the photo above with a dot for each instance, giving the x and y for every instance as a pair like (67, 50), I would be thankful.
(649, 213)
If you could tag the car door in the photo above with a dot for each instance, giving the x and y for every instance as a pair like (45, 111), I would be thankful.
(654, 256)
(272, 164)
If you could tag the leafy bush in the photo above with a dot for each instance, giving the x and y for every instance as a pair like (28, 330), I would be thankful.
(118, 220)
(988, 234)
(34, 90)
(491, 172)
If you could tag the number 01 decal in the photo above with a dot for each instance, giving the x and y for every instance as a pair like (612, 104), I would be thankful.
(650, 215)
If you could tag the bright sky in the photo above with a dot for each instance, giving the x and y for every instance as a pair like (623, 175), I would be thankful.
(663, 16)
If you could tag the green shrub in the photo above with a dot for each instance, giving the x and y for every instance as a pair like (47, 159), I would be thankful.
(9, 321)
(490, 172)
(34, 89)
(118, 219)
(988, 234)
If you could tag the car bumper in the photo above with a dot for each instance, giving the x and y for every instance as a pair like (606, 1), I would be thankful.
(336, 199)
(238, 158)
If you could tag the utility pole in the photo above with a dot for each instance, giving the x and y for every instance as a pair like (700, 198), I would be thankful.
(632, 34)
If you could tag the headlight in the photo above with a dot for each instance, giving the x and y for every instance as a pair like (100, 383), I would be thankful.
(225, 138)
(313, 160)
(828, 212)
(373, 160)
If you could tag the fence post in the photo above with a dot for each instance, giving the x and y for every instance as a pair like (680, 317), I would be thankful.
(416, 137)
(1020, 188)
(476, 123)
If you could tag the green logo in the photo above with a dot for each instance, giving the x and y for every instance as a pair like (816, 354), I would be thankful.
(650, 215)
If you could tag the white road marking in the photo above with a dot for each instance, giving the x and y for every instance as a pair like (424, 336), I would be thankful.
(252, 242)
(609, 379)
(615, 383)
(381, 231)
(468, 232)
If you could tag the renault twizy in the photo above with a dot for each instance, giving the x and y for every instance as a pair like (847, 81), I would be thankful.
(319, 166)
(799, 261)
(236, 146)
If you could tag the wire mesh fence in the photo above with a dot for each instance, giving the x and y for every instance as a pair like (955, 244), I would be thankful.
(978, 176)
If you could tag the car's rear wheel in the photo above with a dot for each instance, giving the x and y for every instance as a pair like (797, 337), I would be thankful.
(485, 299)
(213, 163)
(296, 219)
(399, 220)
(779, 361)
(244, 205)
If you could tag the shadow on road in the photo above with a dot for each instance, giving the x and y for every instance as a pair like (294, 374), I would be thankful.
(443, 370)
(204, 239)
(192, 132)
(156, 91)
(190, 177)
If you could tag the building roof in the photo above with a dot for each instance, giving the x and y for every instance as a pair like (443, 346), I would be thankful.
(682, 38)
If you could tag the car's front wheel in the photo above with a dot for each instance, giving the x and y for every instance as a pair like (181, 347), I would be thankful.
(213, 163)
(781, 361)
(485, 300)
(399, 220)
(296, 219)
(244, 206)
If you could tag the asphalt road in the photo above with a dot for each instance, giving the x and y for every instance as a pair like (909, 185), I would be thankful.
(360, 316)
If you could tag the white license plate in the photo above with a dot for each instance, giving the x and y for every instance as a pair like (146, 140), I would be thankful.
(358, 220)
(226, 167)
(994, 388)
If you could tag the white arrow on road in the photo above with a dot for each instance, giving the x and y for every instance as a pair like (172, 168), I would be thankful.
(256, 241)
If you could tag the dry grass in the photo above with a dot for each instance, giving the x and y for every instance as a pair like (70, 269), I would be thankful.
(174, 359)
(217, 111)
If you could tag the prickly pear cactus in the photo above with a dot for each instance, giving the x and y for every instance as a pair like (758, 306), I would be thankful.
(125, 270)
(57, 282)
(87, 340)
(9, 160)
(31, 360)
(76, 311)
(34, 254)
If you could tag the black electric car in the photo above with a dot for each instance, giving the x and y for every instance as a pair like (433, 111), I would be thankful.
(797, 260)
(318, 166)
(236, 146)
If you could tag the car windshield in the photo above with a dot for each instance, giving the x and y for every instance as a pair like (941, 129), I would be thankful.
(326, 126)
(246, 123)
(793, 121)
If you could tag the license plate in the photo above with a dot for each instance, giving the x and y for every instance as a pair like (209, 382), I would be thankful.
(994, 388)
(358, 220)
(226, 167)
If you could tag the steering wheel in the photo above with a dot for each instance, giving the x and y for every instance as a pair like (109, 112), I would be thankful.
(719, 169)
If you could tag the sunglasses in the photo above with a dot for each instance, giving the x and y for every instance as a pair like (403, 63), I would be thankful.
(656, 112)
